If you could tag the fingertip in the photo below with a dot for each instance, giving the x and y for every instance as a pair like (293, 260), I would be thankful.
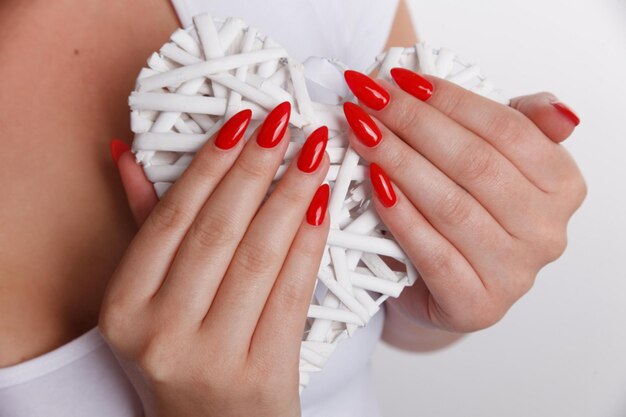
(555, 119)
(117, 148)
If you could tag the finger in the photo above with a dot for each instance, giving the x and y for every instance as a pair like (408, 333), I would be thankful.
(280, 328)
(457, 155)
(451, 288)
(151, 252)
(556, 120)
(139, 190)
(207, 250)
(452, 211)
(507, 130)
(257, 262)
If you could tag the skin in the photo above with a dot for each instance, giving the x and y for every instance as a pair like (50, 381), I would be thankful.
(91, 213)
(200, 280)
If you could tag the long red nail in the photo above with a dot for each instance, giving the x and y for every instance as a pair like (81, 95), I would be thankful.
(382, 185)
(274, 126)
(234, 128)
(362, 124)
(567, 112)
(317, 209)
(117, 149)
(313, 149)
(412, 83)
(368, 91)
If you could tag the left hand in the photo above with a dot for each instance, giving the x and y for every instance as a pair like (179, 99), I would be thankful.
(481, 193)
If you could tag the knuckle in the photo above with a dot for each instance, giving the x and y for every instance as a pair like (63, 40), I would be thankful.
(397, 159)
(576, 189)
(169, 216)
(440, 263)
(550, 241)
(509, 128)
(113, 325)
(207, 164)
(479, 164)
(213, 229)
(292, 195)
(252, 167)
(154, 358)
(254, 258)
(407, 115)
(453, 208)
(451, 102)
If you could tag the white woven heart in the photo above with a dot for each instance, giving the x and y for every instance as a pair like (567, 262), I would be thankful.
(208, 73)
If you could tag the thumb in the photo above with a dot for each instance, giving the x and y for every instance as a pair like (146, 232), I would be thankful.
(555, 119)
(139, 190)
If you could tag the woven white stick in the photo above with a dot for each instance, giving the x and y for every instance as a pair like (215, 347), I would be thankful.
(218, 67)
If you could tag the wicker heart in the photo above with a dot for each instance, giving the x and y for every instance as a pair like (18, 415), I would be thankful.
(218, 67)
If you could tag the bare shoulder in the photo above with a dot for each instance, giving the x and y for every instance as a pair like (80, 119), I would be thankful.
(67, 68)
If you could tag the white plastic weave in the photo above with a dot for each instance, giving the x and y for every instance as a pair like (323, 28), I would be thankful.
(218, 67)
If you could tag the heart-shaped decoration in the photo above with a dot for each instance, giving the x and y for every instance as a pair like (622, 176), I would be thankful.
(216, 68)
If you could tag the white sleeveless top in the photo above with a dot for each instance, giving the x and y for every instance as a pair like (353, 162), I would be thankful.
(83, 378)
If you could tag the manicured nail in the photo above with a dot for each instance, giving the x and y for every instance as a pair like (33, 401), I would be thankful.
(412, 83)
(313, 149)
(567, 112)
(317, 209)
(362, 124)
(368, 91)
(117, 149)
(274, 126)
(382, 185)
(234, 128)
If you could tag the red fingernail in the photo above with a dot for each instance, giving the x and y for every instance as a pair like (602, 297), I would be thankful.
(234, 128)
(412, 83)
(368, 91)
(313, 149)
(567, 112)
(382, 185)
(274, 126)
(117, 149)
(317, 209)
(362, 124)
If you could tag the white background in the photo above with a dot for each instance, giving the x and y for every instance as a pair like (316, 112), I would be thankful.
(561, 350)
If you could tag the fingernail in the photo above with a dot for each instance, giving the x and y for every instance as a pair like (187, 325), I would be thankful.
(567, 112)
(117, 149)
(362, 124)
(313, 149)
(412, 83)
(234, 128)
(317, 209)
(382, 185)
(274, 126)
(368, 91)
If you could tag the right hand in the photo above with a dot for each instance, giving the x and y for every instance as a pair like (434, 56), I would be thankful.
(207, 308)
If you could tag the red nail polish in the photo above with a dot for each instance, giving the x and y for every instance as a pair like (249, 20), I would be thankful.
(117, 149)
(368, 91)
(274, 126)
(567, 112)
(233, 130)
(313, 149)
(382, 185)
(412, 83)
(317, 209)
(362, 124)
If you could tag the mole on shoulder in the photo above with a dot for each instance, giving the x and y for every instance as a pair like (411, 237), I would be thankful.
(76, 52)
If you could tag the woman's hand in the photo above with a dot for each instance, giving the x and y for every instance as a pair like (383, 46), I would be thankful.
(207, 308)
(481, 192)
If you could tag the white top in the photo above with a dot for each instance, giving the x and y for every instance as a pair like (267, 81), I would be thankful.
(83, 378)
